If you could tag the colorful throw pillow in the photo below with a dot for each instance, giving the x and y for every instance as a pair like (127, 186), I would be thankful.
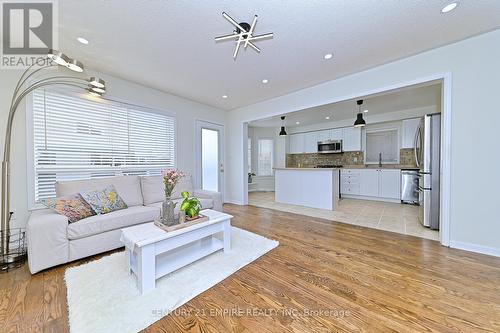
(104, 201)
(74, 207)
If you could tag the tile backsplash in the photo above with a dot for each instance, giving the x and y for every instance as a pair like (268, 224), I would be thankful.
(406, 156)
(311, 160)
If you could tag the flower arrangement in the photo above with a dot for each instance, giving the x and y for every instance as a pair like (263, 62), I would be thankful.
(170, 178)
(191, 206)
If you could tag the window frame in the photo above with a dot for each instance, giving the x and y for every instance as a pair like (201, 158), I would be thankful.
(73, 92)
(259, 173)
(378, 130)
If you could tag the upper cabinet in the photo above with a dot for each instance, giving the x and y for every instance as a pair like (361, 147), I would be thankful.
(410, 127)
(311, 142)
(296, 143)
(352, 139)
(307, 142)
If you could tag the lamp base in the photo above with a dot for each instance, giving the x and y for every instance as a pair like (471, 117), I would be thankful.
(11, 261)
(15, 253)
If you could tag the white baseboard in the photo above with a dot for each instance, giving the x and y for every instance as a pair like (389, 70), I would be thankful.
(235, 202)
(362, 197)
(475, 248)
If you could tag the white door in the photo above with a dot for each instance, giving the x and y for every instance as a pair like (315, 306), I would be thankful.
(390, 181)
(210, 156)
(369, 183)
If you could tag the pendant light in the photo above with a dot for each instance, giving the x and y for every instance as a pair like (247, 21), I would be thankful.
(360, 122)
(282, 131)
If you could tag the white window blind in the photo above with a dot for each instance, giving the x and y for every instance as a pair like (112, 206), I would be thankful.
(77, 138)
(384, 143)
(265, 157)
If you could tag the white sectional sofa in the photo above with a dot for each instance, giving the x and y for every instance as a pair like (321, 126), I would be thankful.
(53, 241)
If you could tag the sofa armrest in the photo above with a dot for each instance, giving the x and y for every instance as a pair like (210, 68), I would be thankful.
(215, 196)
(48, 243)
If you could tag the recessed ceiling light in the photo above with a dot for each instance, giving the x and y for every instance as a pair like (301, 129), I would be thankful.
(82, 40)
(224, 96)
(327, 117)
(297, 122)
(265, 81)
(365, 111)
(449, 7)
(328, 56)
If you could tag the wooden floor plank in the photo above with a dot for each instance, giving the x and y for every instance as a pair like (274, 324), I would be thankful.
(379, 281)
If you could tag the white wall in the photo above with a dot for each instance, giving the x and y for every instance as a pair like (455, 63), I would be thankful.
(266, 183)
(117, 89)
(475, 68)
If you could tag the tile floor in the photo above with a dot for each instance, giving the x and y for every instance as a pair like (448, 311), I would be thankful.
(373, 214)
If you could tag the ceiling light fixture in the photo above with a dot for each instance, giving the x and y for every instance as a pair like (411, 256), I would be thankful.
(448, 8)
(97, 89)
(365, 111)
(360, 122)
(82, 40)
(328, 56)
(243, 34)
(265, 81)
(282, 130)
(224, 96)
(327, 117)
(297, 122)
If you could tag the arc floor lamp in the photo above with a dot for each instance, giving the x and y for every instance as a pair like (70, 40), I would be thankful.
(12, 244)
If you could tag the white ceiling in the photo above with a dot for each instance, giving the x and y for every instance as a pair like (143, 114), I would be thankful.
(169, 45)
(398, 100)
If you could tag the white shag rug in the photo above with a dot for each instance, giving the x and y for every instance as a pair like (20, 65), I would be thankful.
(103, 297)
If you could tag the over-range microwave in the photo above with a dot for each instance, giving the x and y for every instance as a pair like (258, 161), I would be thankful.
(330, 147)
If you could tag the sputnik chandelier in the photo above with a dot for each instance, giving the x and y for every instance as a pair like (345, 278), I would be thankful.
(243, 34)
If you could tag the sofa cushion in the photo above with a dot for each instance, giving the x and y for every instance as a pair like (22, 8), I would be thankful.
(128, 187)
(74, 207)
(153, 189)
(115, 220)
(205, 203)
(104, 201)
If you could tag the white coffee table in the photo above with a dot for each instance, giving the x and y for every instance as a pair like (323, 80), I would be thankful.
(153, 252)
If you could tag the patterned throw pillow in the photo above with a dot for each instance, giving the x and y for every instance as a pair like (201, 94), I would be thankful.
(104, 201)
(72, 206)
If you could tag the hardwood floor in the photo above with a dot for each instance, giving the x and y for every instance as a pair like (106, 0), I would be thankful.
(361, 279)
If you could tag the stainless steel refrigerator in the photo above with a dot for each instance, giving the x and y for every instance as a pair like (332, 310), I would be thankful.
(427, 155)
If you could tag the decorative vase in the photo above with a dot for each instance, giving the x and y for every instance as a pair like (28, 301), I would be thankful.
(167, 212)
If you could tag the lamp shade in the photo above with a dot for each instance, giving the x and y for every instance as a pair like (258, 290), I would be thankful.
(58, 57)
(282, 132)
(75, 65)
(360, 122)
(97, 82)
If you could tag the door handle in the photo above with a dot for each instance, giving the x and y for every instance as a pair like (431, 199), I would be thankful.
(415, 146)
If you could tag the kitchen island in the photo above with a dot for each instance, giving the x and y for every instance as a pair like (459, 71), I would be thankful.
(310, 187)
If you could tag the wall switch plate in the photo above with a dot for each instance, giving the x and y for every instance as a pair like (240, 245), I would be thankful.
(355, 160)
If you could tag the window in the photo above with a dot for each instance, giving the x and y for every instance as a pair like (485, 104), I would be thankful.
(265, 157)
(384, 144)
(249, 155)
(77, 138)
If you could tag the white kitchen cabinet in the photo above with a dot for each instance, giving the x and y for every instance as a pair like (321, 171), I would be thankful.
(336, 134)
(296, 143)
(311, 142)
(410, 127)
(390, 184)
(375, 184)
(323, 135)
(369, 182)
(352, 139)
